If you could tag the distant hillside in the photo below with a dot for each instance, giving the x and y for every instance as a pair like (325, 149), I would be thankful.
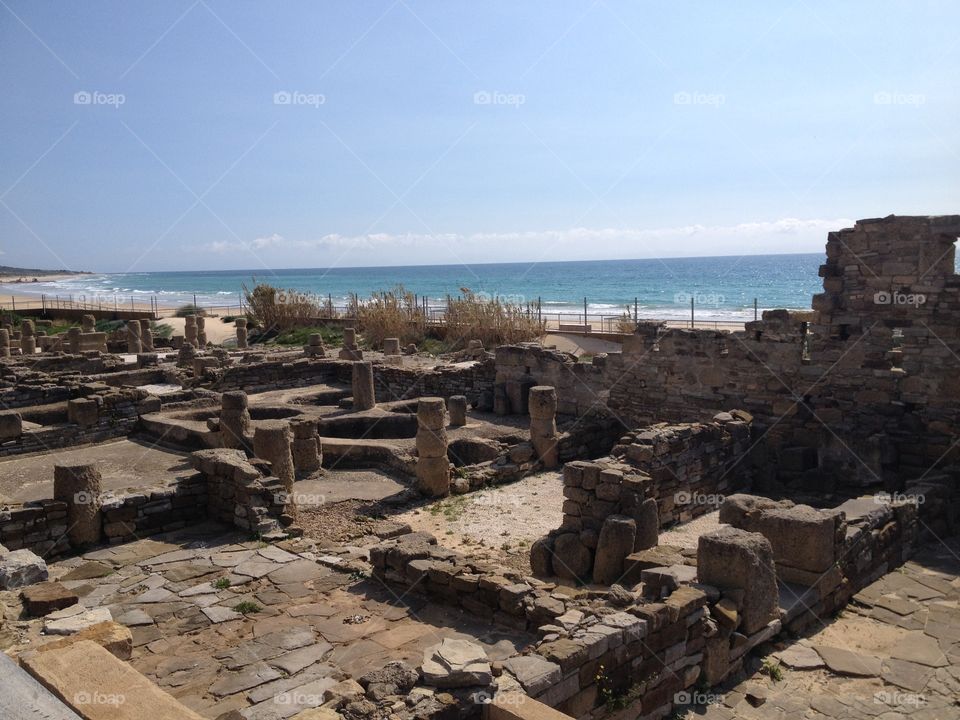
(7, 270)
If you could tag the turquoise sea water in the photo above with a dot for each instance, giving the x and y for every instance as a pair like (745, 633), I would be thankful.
(722, 287)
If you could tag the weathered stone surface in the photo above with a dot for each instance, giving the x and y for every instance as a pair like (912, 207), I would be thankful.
(456, 663)
(11, 425)
(113, 637)
(571, 558)
(617, 537)
(364, 396)
(80, 487)
(457, 406)
(20, 568)
(395, 678)
(845, 662)
(45, 597)
(648, 525)
(799, 657)
(535, 673)
(541, 557)
(734, 559)
(74, 619)
(100, 687)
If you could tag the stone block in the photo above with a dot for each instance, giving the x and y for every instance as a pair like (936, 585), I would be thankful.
(617, 537)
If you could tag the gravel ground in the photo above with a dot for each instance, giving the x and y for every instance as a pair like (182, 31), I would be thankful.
(687, 536)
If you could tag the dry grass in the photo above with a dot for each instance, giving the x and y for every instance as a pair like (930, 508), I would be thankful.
(277, 309)
(392, 314)
(470, 317)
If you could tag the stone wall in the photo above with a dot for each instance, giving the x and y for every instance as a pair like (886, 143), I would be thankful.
(104, 414)
(392, 383)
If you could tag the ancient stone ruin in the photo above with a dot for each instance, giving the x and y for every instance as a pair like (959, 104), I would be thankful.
(730, 524)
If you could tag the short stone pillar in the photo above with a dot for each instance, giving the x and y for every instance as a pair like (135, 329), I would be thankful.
(307, 453)
(4, 343)
(617, 536)
(234, 420)
(79, 486)
(391, 346)
(241, 325)
(147, 360)
(85, 412)
(350, 349)
(314, 346)
(134, 343)
(271, 442)
(11, 425)
(433, 467)
(201, 331)
(146, 335)
(457, 405)
(734, 559)
(28, 337)
(88, 323)
(73, 340)
(186, 355)
(364, 397)
(543, 424)
(190, 330)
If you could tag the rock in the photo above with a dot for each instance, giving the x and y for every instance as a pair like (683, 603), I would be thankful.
(619, 596)
(46, 597)
(343, 692)
(113, 637)
(734, 559)
(74, 621)
(456, 663)
(910, 676)
(395, 678)
(535, 673)
(799, 657)
(919, 648)
(647, 517)
(738, 510)
(616, 541)
(541, 557)
(218, 614)
(571, 558)
(844, 662)
(20, 568)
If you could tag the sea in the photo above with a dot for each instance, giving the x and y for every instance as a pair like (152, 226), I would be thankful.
(721, 288)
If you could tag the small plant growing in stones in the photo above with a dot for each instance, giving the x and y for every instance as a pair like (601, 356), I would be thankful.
(221, 583)
(772, 668)
(247, 607)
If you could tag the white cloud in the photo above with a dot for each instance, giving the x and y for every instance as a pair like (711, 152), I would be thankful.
(783, 235)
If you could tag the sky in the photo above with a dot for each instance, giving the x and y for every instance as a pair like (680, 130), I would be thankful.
(205, 134)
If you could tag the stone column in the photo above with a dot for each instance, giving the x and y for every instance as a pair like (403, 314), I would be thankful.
(241, 325)
(73, 340)
(271, 442)
(79, 486)
(350, 350)
(28, 339)
(364, 397)
(234, 420)
(314, 346)
(134, 343)
(146, 335)
(186, 355)
(457, 405)
(391, 346)
(617, 536)
(11, 425)
(433, 467)
(4, 343)
(201, 331)
(190, 330)
(543, 424)
(88, 323)
(307, 453)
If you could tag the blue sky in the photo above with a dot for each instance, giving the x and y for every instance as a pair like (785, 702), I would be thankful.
(193, 135)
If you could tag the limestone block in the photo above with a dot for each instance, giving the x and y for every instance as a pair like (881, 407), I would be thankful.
(648, 525)
(20, 568)
(11, 425)
(616, 542)
(83, 411)
(391, 346)
(306, 445)
(431, 413)
(271, 442)
(734, 559)
(364, 397)
(457, 405)
(433, 476)
(571, 558)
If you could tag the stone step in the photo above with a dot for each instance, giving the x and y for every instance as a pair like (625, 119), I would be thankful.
(23, 698)
(99, 686)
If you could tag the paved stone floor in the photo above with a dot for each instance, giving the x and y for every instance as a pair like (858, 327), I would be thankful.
(893, 654)
(123, 464)
(286, 630)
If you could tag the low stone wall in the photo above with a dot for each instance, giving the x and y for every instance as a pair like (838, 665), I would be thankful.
(270, 375)
(134, 515)
(102, 415)
(392, 383)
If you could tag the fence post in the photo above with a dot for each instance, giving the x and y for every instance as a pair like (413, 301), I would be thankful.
(43, 303)
(636, 309)
(14, 301)
(692, 321)
(754, 309)
(585, 321)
